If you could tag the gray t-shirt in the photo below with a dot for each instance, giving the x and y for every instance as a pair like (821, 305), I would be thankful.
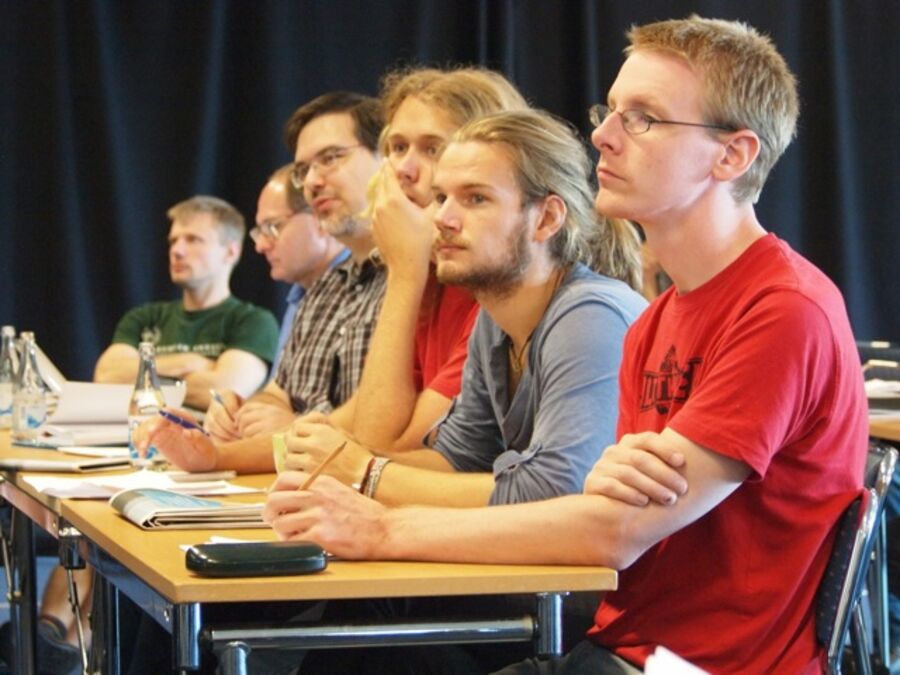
(543, 443)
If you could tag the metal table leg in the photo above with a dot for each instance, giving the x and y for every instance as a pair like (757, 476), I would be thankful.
(548, 641)
(186, 636)
(22, 593)
(234, 659)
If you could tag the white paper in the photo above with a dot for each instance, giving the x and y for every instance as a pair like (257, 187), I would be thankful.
(103, 487)
(664, 662)
(93, 403)
(95, 450)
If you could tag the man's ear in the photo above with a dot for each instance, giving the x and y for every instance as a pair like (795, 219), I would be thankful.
(233, 251)
(738, 154)
(551, 212)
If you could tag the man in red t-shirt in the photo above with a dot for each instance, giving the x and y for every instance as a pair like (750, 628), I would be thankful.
(744, 376)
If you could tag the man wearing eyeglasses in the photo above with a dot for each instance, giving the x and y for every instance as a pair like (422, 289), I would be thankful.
(335, 137)
(744, 376)
(296, 247)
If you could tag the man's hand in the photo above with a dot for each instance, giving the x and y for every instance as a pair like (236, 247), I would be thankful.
(220, 420)
(639, 468)
(256, 418)
(402, 229)
(334, 516)
(309, 442)
(188, 449)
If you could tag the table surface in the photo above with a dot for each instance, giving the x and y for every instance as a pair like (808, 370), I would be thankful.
(157, 558)
(885, 428)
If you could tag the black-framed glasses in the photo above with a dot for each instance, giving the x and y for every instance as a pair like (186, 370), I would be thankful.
(637, 122)
(324, 161)
(269, 229)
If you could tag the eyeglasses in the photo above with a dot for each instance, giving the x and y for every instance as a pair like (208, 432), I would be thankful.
(325, 161)
(636, 122)
(269, 229)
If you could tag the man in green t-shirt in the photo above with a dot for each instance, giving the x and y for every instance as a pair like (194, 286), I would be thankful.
(208, 338)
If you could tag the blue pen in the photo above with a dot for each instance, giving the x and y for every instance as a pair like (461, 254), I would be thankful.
(187, 424)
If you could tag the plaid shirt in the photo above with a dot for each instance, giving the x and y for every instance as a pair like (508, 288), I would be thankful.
(323, 359)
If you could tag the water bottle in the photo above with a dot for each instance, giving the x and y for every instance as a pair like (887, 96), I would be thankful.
(9, 367)
(31, 395)
(146, 399)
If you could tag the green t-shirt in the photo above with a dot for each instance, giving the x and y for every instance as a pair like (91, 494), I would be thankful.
(232, 324)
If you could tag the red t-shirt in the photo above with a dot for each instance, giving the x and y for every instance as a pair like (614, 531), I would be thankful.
(758, 364)
(442, 337)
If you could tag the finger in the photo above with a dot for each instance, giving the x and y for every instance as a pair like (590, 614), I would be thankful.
(634, 479)
(289, 481)
(654, 443)
(297, 461)
(608, 487)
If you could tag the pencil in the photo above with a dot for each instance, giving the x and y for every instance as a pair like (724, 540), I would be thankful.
(217, 397)
(321, 467)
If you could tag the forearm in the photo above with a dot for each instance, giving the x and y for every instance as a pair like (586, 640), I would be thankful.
(342, 417)
(116, 371)
(387, 395)
(402, 484)
(572, 530)
(249, 455)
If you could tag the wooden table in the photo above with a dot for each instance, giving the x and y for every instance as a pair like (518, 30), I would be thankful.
(885, 428)
(148, 567)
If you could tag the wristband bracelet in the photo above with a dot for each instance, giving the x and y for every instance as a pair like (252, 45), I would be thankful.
(361, 486)
(375, 476)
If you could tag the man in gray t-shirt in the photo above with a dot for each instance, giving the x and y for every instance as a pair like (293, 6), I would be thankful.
(515, 226)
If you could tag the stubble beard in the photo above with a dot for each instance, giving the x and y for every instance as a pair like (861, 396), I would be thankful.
(498, 281)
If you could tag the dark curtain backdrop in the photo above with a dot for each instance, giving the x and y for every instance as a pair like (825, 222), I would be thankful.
(113, 111)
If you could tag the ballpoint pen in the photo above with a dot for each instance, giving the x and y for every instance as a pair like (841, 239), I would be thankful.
(217, 397)
(187, 424)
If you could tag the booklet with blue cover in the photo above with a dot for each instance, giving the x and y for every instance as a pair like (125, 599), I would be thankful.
(154, 509)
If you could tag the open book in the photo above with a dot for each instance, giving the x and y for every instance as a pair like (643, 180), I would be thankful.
(154, 509)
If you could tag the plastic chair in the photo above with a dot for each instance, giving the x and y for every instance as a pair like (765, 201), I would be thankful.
(841, 587)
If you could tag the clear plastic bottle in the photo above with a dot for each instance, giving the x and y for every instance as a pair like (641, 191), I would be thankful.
(146, 399)
(31, 395)
(9, 367)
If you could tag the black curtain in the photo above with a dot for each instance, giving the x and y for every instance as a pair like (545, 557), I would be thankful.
(114, 110)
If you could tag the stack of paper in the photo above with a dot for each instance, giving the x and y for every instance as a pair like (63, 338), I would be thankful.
(89, 413)
(884, 397)
(102, 487)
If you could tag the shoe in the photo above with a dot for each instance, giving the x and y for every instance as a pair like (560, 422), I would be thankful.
(55, 656)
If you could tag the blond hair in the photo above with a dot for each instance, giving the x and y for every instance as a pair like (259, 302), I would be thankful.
(747, 84)
(548, 157)
(463, 93)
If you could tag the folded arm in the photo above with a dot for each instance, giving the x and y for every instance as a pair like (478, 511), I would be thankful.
(576, 529)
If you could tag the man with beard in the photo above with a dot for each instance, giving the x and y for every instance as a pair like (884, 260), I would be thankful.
(209, 338)
(745, 375)
(538, 399)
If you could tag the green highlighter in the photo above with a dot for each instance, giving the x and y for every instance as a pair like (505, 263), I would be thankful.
(279, 451)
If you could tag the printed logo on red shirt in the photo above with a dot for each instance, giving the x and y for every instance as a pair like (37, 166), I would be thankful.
(670, 384)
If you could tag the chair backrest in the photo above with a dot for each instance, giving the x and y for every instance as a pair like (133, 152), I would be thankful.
(845, 574)
(880, 466)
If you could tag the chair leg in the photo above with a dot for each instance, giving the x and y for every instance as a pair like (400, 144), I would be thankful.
(859, 642)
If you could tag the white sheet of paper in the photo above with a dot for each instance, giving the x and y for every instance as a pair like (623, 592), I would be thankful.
(91, 402)
(95, 450)
(103, 487)
(664, 662)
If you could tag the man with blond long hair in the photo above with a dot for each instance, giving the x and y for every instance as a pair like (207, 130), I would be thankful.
(744, 377)
(515, 226)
